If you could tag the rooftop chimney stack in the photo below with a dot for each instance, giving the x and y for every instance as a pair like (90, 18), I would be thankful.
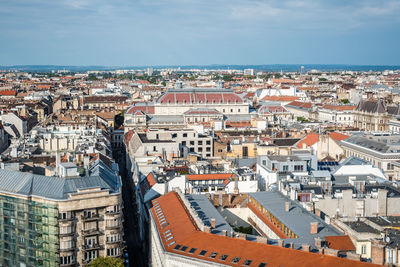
(314, 228)
(305, 247)
(287, 206)
(213, 223)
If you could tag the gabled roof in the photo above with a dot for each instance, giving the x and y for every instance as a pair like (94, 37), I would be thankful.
(300, 105)
(338, 136)
(371, 106)
(309, 140)
(340, 242)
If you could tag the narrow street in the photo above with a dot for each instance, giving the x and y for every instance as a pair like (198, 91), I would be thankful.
(134, 249)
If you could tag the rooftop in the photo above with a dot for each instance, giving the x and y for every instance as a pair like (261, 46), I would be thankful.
(184, 238)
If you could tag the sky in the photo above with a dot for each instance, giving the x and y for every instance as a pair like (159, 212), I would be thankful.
(199, 32)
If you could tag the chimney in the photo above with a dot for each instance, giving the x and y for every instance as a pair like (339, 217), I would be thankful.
(314, 228)
(280, 243)
(207, 229)
(241, 236)
(229, 199)
(353, 256)
(224, 233)
(318, 242)
(291, 245)
(287, 206)
(305, 247)
(262, 240)
(331, 252)
(213, 223)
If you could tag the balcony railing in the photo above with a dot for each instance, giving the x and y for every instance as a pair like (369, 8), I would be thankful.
(92, 217)
(112, 227)
(92, 247)
(91, 232)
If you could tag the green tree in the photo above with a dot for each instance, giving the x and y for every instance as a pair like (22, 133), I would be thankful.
(344, 101)
(106, 262)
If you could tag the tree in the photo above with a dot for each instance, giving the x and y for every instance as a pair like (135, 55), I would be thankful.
(345, 101)
(106, 262)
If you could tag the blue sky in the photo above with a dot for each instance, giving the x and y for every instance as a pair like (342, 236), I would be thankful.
(186, 32)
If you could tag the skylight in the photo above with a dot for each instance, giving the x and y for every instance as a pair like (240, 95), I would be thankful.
(236, 260)
(203, 252)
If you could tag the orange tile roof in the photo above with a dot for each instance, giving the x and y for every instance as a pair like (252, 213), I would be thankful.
(185, 232)
(309, 140)
(338, 107)
(150, 179)
(340, 242)
(7, 92)
(280, 98)
(338, 136)
(299, 104)
(212, 176)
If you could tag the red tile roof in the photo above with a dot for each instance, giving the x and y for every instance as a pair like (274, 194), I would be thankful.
(309, 140)
(280, 98)
(212, 176)
(185, 232)
(338, 136)
(144, 108)
(338, 107)
(340, 242)
(9, 92)
(306, 105)
(199, 97)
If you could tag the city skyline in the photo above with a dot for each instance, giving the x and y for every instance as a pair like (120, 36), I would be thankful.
(199, 33)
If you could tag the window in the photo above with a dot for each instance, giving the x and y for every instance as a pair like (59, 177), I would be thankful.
(223, 257)
(67, 259)
(192, 250)
(298, 167)
(192, 143)
(184, 135)
(208, 142)
(364, 249)
(184, 143)
(208, 149)
(285, 168)
(200, 143)
(213, 255)
(264, 162)
(113, 238)
(236, 260)
(154, 148)
(90, 255)
(203, 252)
(113, 251)
(247, 262)
(184, 248)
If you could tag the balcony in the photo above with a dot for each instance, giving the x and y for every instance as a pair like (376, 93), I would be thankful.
(91, 232)
(113, 227)
(71, 219)
(92, 247)
(114, 242)
(68, 249)
(92, 217)
(113, 212)
(72, 233)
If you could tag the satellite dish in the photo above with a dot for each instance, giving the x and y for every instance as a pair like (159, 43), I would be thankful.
(387, 239)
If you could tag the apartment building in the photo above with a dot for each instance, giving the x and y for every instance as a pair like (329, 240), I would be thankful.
(60, 221)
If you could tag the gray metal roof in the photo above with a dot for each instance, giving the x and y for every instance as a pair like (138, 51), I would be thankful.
(207, 211)
(296, 219)
(57, 188)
